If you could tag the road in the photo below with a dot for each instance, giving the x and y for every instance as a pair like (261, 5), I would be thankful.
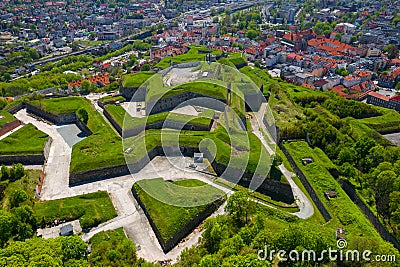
(259, 129)
(129, 215)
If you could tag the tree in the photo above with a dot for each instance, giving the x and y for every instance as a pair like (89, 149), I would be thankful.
(240, 206)
(209, 261)
(145, 67)
(27, 221)
(6, 226)
(17, 171)
(5, 173)
(385, 185)
(73, 247)
(257, 64)
(252, 34)
(18, 196)
(214, 233)
(83, 115)
(86, 87)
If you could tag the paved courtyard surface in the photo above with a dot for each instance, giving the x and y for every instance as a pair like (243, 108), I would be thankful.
(71, 134)
(129, 214)
(393, 137)
(187, 110)
(54, 232)
(177, 76)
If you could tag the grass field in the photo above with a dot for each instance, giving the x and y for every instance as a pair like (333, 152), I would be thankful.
(91, 209)
(344, 212)
(26, 141)
(388, 122)
(200, 87)
(168, 218)
(118, 113)
(101, 149)
(5, 117)
(250, 155)
(191, 56)
(111, 98)
(137, 79)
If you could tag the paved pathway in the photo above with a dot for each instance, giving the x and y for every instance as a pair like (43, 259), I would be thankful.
(259, 129)
(304, 204)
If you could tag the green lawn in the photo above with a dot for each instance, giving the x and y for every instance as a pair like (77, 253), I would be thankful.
(91, 209)
(5, 117)
(26, 141)
(125, 121)
(137, 79)
(111, 98)
(101, 149)
(168, 218)
(191, 56)
(389, 121)
(248, 152)
(200, 87)
(344, 212)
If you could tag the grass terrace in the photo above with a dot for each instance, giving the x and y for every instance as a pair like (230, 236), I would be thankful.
(118, 113)
(137, 79)
(200, 87)
(191, 56)
(247, 153)
(388, 122)
(91, 209)
(167, 218)
(344, 212)
(110, 98)
(101, 149)
(5, 117)
(26, 141)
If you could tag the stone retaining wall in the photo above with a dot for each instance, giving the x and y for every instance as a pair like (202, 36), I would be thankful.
(55, 118)
(307, 185)
(9, 126)
(23, 159)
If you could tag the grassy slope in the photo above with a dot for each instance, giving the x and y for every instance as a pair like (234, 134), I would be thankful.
(389, 121)
(101, 149)
(344, 212)
(137, 79)
(95, 205)
(167, 218)
(191, 55)
(26, 141)
(118, 113)
(7, 117)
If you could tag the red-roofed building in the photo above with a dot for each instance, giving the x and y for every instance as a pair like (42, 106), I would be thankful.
(377, 99)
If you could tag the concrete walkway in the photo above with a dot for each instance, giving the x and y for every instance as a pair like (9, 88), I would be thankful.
(56, 168)
(304, 204)
(259, 129)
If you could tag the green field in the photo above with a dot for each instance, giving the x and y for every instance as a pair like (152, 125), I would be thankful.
(247, 151)
(91, 209)
(26, 141)
(110, 98)
(137, 79)
(7, 117)
(169, 219)
(125, 121)
(101, 149)
(344, 212)
(201, 87)
(191, 56)
(389, 121)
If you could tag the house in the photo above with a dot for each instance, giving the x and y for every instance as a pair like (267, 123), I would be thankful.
(67, 230)
(322, 85)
